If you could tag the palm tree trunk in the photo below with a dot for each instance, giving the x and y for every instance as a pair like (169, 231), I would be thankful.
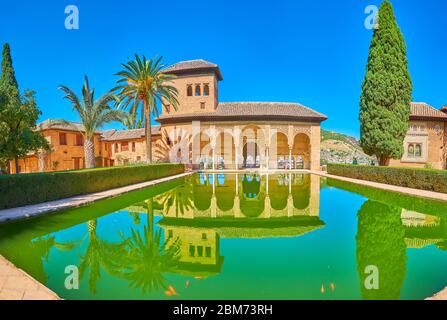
(148, 128)
(89, 151)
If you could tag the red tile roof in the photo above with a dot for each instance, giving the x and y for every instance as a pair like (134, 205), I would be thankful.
(233, 111)
(183, 67)
(423, 111)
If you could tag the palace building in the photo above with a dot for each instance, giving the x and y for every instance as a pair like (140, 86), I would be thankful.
(426, 142)
(236, 135)
(204, 133)
(201, 132)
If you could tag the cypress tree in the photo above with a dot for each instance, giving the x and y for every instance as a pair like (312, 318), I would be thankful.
(8, 79)
(18, 116)
(386, 91)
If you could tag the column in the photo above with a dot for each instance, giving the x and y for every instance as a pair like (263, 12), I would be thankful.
(236, 141)
(214, 157)
(267, 151)
(290, 158)
(236, 158)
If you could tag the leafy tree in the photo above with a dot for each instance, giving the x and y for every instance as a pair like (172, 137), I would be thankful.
(94, 114)
(142, 84)
(18, 117)
(386, 91)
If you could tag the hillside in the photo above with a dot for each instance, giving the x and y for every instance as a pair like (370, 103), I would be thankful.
(340, 148)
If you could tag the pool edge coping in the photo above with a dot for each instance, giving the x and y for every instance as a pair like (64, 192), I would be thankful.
(419, 193)
(28, 288)
(40, 209)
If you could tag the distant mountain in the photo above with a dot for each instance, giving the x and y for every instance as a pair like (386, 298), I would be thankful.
(341, 148)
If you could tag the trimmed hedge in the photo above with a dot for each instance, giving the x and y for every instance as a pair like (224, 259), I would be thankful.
(424, 179)
(25, 189)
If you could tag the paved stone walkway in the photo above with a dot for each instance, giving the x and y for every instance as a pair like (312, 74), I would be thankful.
(34, 210)
(15, 284)
(442, 295)
(409, 191)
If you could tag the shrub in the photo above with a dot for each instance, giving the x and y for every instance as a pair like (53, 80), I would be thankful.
(25, 189)
(425, 179)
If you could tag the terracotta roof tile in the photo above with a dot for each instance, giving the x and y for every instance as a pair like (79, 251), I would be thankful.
(267, 109)
(253, 111)
(115, 135)
(107, 135)
(193, 65)
(423, 111)
(56, 124)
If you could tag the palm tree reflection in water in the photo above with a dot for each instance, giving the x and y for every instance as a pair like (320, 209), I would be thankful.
(141, 259)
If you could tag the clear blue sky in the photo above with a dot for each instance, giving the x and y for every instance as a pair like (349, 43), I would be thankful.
(308, 51)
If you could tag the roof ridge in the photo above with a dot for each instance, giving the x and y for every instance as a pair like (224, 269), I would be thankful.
(260, 102)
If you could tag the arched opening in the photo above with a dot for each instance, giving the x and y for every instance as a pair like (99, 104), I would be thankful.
(189, 90)
(280, 158)
(206, 90)
(301, 152)
(251, 154)
(197, 91)
(205, 160)
(253, 142)
(225, 151)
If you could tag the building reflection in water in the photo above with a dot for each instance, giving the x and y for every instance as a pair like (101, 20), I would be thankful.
(215, 206)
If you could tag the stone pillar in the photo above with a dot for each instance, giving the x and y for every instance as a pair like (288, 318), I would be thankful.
(267, 151)
(315, 147)
(290, 183)
(290, 158)
(236, 141)
(214, 157)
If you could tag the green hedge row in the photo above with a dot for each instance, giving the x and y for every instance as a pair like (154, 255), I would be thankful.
(25, 189)
(424, 179)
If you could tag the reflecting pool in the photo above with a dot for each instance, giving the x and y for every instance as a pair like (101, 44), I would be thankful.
(245, 236)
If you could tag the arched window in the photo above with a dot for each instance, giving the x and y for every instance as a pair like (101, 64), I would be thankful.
(206, 90)
(411, 150)
(189, 90)
(418, 150)
(197, 92)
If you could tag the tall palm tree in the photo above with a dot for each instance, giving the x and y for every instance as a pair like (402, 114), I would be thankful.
(142, 84)
(94, 114)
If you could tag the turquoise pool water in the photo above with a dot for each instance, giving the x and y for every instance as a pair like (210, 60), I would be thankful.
(246, 236)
